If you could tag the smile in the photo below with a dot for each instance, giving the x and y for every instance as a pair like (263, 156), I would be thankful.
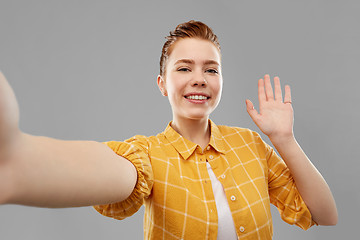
(196, 97)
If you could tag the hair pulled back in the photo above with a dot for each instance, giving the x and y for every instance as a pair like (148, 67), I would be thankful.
(190, 29)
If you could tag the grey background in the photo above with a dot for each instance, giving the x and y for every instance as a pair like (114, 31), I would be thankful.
(87, 70)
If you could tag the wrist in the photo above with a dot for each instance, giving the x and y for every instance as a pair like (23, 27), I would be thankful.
(287, 147)
(9, 143)
(282, 139)
(8, 153)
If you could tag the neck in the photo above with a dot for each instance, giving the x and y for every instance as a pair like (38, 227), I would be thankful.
(197, 131)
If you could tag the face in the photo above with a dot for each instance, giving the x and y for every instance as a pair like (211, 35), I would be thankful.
(193, 80)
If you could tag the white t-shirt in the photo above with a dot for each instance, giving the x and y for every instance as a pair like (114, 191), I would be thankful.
(226, 226)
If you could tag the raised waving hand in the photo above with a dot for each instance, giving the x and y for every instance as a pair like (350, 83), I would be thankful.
(275, 117)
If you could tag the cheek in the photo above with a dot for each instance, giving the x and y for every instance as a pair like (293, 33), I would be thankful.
(176, 85)
(217, 86)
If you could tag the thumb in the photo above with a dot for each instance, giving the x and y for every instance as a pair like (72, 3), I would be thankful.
(9, 109)
(251, 110)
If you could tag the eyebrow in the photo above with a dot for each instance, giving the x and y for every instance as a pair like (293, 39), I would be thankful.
(190, 61)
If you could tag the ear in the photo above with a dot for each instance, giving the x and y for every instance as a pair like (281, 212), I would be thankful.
(161, 85)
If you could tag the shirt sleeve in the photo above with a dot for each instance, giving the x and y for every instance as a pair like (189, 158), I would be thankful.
(283, 192)
(136, 151)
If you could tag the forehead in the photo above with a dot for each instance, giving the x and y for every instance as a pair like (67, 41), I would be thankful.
(194, 49)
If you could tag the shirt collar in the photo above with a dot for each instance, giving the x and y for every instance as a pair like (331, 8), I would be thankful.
(186, 148)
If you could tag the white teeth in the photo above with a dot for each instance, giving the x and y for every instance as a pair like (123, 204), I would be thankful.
(197, 97)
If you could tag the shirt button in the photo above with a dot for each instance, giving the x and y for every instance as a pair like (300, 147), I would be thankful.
(233, 198)
(242, 229)
(223, 176)
(211, 156)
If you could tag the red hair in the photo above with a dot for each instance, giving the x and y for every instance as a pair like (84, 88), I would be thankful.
(191, 29)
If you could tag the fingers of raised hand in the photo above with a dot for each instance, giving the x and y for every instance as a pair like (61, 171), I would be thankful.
(287, 95)
(261, 91)
(277, 87)
(268, 88)
(266, 92)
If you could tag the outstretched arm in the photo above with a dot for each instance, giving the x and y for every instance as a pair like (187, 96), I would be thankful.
(45, 172)
(275, 119)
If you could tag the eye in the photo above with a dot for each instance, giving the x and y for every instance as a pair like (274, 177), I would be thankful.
(183, 69)
(212, 71)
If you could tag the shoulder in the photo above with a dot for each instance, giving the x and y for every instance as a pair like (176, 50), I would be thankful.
(138, 142)
(246, 133)
(237, 137)
(244, 139)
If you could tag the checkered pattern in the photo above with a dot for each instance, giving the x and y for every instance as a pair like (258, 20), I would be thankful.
(174, 184)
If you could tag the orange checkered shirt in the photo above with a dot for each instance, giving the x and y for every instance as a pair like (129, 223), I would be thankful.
(174, 184)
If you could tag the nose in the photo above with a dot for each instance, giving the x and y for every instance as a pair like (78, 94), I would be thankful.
(199, 80)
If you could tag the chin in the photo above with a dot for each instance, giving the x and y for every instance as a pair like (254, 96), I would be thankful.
(197, 116)
(193, 113)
